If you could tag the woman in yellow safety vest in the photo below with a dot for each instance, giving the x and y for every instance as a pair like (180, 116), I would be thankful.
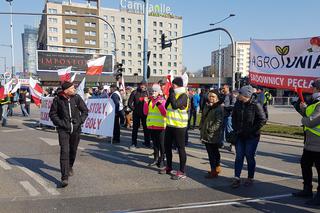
(154, 109)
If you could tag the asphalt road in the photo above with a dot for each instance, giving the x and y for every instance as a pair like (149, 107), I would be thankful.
(111, 178)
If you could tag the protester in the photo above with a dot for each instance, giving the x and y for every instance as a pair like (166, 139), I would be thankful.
(195, 107)
(68, 112)
(211, 128)
(190, 106)
(266, 102)
(117, 100)
(23, 102)
(155, 111)
(87, 94)
(177, 122)
(3, 110)
(127, 110)
(247, 119)
(311, 151)
(136, 102)
(228, 102)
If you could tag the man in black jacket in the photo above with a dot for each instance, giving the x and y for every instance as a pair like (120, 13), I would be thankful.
(247, 119)
(117, 100)
(136, 101)
(68, 112)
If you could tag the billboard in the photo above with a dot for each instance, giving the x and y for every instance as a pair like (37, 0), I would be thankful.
(285, 63)
(52, 61)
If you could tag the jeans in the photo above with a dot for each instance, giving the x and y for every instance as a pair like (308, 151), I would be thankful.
(24, 110)
(246, 148)
(136, 124)
(4, 116)
(227, 128)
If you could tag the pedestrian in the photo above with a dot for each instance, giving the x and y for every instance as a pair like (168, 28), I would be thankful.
(248, 118)
(117, 100)
(190, 106)
(136, 102)
(87, 94)
(154, 109)
(311, 150)
(228, 103)
(177, 122)
(127, 110)
(68, 112)
(195, 108)
(23, 102)
(211, 128)
(4, 110)
(267, 101)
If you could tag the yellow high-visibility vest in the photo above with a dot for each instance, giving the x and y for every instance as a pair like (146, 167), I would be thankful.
(155, 118)
(176, 117)
(310, 109)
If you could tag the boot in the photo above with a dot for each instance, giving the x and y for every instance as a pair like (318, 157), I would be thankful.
(212, 174)
(218, 169)
(305, 193)
(315, 201)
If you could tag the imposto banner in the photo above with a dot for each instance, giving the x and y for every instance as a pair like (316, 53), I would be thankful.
(285, 63)
(100, 120)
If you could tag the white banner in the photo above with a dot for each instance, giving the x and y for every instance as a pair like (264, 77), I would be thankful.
(99, 122)
(285, 63)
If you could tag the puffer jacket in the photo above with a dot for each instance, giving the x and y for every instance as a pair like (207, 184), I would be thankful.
(211, 124)
(60, 112)
(248, 118)
(136, 101)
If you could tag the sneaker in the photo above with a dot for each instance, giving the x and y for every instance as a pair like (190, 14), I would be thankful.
(64, 183)
(248, 182)
(236, 183)
(218, 169)
(132, 147)
(71, 172)
(179, 175)
(164, 171)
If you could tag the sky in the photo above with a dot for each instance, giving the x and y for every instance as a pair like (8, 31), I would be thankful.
(271, 19)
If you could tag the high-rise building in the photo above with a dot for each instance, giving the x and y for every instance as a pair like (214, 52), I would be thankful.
(242, 60)
(29, 46)
(90, 35)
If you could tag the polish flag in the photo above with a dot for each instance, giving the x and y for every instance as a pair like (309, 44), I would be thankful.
(64, 74)
(95, 66)
(167, 86)
(36, 91)
(185, 79)
(2, 96)
(73, 77)
(16, 87)
(80, 88)
(8, 87)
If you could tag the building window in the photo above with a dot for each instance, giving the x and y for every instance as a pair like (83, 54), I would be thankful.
(52, 11)
(154, 55)
(123, 20)
(160, 63)
(155, 48)
(139, 30)
(139, 46)
(90, 42)
(129, 46)
(175, 64)
(129, 37)
(130, 70)
(161, 72)
(54, 48)
(160, 32)
(106, 27)
(112, 18)
(154, 71)
(139, 63)
(90, 24)
(123, 61)
(105, 18)
(160, 56)
(175, 26)
(175, 34)
(139, 70)
(71, 50)
(154, 23)
(105, 35)
(169, 64)
(170, 33)
(123, 29)
(129, 54)
(129, 29)
(105, 44)
(70, 12)
(139, 55)
(129, 20)
(123, 46)
(123, 53)
(139, 38)
(71, 40)
(154, 32)
(70, 22)
(170, 25)
(169, 71)
(53, 29)
(71, 31)
(154, 63)
(160, 24)
(175, 57)
(139, 22)
(129, 62)
(90, 51)
(53, 38)
(53, 20)
(154, 40)
(123, 37)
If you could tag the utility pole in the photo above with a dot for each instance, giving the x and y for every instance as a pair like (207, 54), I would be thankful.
(145, 46)
(12, 43)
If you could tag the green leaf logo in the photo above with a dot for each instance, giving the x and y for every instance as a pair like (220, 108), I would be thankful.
(282, 51)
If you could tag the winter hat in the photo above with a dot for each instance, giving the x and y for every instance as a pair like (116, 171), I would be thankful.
(246, 91)
(65, 85)
(316, 83)
(178, 81)
(156, 88)
(143, 82)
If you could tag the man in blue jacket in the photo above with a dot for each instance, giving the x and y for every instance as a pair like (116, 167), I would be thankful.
(194, 108)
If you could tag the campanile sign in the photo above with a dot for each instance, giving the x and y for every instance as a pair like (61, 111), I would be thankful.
(138, 7)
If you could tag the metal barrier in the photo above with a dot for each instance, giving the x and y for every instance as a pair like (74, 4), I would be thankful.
(281, 101)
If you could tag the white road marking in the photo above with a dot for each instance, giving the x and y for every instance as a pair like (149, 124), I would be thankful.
(29, 188)
(50, 141)
(12, 130)
(257, 166)
(32, 174)
(81, 148)
(5, 165)
(213, 204)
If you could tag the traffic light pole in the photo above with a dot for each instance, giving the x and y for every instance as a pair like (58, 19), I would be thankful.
(145, 46)
(163, 44)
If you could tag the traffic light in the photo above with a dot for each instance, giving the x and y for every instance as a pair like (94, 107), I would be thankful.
(163, 42)
(119, 70)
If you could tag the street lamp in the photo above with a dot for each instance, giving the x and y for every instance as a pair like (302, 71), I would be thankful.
(12, 45)
(145, 46)
(219, 53)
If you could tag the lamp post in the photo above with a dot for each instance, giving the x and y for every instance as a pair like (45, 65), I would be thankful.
(12, 44)
(145, 46)
(219, 52)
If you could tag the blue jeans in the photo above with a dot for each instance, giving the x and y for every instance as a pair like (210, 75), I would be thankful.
(227, 128)
(246, 148)
(24, 110)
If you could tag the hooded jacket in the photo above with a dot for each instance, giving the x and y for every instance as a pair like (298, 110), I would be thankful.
(68, 114)
(136, 101)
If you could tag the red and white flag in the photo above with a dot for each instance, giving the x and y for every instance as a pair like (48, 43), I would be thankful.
(8, 87)
(64, 74)
(2, 96)
(95, 66)
(36, 91)
(167, 86)
(73, 77)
